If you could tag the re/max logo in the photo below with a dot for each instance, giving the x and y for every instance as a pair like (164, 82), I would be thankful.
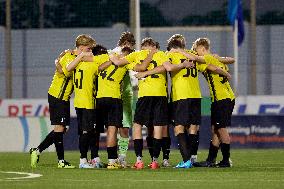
(28, 110)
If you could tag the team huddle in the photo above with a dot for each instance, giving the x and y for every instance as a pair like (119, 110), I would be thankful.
(168, 95)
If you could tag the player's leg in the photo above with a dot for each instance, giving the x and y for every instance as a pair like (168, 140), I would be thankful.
(115, 116)
(227, 106)
(149, 140)
(59, 130)
(138, 145)
(181, 118)
(225, 147)
(215, 142)
(192, 138)
(112, 146)
(35, 152)
(160, 121)
(166, 145)
(141, 117)
(86, 128)
(195, 147)
(58, 141)
(95, 160)
(123, 140)
(49, 139)
(60, 118)
(212, 152)
(182, 144)
(195, 120)
(157, 144)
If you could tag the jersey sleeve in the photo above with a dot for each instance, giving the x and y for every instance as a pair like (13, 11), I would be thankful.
(131, 57)
(66, 59)
(209, 59)
(162, 58)
(201, 67)
(131, 65)
(100, 59)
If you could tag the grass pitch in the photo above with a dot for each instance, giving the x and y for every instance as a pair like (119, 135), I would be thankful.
(251, 169)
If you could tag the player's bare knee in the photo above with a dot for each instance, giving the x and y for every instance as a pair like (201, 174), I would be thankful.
(165, 131)
(178, 129)
(193, 129)
(124, 132)
(59, 128)
(158, 132)
(111, 130)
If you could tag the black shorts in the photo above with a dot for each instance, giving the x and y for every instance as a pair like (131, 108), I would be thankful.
(109, 111)
(187, 112)
(152, 111)
(221, 113)
(86, 119)
(59, 111)
(99, 123)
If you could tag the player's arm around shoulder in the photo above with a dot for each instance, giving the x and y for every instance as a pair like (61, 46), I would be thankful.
(173, 67)
(224, 60)
(161, 58)
(218, 70)
(156, 70)
(72, 65)
(117, 60)
(102, 61)
(61, 60)
(145, 63)
(104, 65)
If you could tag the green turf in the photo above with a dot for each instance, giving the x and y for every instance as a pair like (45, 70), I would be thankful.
(252, 169)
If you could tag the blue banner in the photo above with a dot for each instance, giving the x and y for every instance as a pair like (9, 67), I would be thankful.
(235, 11)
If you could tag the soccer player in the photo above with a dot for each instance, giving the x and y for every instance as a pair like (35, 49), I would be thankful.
(110, 105)
(95, 160)
(84, 75)
(223, 100)
(126, 40)
(166, 140)
(151, 107)
(59, 105)
(186, 97)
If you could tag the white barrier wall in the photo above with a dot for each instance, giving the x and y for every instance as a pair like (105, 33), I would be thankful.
(22, 133)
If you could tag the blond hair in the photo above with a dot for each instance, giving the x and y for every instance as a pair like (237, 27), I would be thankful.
(85, 40)
(148, 41)
(205, 42)
(176, 41)
(126, 37)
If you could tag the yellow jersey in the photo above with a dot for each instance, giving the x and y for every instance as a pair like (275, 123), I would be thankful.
(110, 79)
(61, 86)
(153, 85)
(185, 83)
(84, 77)
(219, 85)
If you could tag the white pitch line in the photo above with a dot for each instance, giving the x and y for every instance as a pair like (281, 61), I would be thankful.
(29, 175)
(178, 180)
